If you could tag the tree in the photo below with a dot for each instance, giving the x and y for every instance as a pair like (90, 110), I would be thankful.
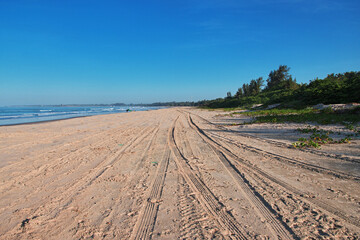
(239, 93)
(260, 82)
(255, 86)
(281, 79)
(291, 84)
(228, 94)
(246, 89)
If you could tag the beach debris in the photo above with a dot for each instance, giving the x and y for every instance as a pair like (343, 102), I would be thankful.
(131, 214)
(121, 144)
(256, 105)
(273, 106)
(27, 220)
(24, 222)
(154, 200)
(154, 163)
(336, 107)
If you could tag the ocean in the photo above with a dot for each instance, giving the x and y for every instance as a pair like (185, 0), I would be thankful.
(29, 114)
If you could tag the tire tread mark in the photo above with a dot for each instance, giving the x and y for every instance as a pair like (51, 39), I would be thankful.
(279, 229)
(206, 197)
(305, 196)
(37, 172)
(280, 144)
(147, 217)
(106, 220)
(97, 172)
(288, 160)
(101, 169)
(190, 226)
(278, 157)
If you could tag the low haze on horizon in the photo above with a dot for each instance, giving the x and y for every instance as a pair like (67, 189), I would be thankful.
(78, 52)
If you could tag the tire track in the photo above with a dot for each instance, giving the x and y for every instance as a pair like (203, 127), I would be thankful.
(60, 161)
(292, 161)
(308, 166)
(135, 180)
(36, 175)
(187, 150)
(79, 151)
(193, 217)
(85, 181)
(278, 228)
(32, 144)
(292, 208)
(279, 144)
(210, 203)
(57, 147)
(146, 220)
(54, 138)
(243, 164)
(82, 230)
(190, 226)
(103, 166)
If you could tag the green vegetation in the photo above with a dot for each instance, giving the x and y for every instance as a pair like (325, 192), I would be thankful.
(351, 127)
(316, 117)
(320, 137)
(277, 112)
(294, 101)
(307, 115)
(170, 104)
(223, 109)
(282, 88)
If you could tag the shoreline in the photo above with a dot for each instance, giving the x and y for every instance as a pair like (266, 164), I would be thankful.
(46, 121)
(61, 119)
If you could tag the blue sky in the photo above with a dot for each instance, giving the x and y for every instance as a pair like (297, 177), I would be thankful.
(60, 52)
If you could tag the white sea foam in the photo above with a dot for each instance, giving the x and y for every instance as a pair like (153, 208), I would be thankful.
(16, 115)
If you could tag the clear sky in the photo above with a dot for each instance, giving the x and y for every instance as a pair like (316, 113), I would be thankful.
(87, 51)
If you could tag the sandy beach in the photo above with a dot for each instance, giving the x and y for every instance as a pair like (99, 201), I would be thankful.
(177, 173)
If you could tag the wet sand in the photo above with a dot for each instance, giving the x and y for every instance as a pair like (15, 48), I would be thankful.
(176, 173)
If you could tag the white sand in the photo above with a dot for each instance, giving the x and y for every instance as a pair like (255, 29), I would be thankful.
(170, 174)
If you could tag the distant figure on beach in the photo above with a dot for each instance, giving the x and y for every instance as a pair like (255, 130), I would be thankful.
(128, 110)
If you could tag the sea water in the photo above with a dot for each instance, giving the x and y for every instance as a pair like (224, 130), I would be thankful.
(29, 114)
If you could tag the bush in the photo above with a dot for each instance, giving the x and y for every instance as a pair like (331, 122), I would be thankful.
(335, 88)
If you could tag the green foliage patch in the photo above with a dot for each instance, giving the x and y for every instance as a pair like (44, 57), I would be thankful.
(319, 137)
(277, 112)
(315, 117)
(282, 88)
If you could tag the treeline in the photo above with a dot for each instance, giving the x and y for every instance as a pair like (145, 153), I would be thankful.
(167, 104)
(282, 88)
